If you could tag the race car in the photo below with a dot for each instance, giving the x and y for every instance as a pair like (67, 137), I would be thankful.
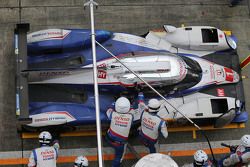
(60, 63)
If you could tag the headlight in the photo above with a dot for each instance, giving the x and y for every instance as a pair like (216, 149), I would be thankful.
(231, 42)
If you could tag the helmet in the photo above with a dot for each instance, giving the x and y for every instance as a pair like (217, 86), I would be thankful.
(122, 105)
(245, 140)
(153, 105)
(81, 161)
(200, 157)
(45, 137)
(156, 159)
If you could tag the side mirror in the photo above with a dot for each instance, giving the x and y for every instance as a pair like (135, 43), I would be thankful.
(169, 28)
(225, 118)
(237, 103)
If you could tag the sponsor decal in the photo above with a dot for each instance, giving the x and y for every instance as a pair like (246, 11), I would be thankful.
(102, 65)
(41, 119)
(148, 123)
(48, 154)
(53, 73)
(102, 74)
(120, 121)
(48, 35)
(49, 119)
(39, 34)
(218, 72)
(229, 74)
(220, 92)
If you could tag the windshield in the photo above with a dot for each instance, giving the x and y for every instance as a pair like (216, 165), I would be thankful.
(192, 77)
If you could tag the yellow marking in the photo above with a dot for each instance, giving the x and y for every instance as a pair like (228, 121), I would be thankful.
(194, 134)
(70, 159)
(29, 135)
(228, 33)
(245, 65)
(244, 76)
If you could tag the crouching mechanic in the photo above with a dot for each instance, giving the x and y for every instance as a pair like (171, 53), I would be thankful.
(151, 124)
(46, 155)
(81, 161)
(240, 156)
(121, 121)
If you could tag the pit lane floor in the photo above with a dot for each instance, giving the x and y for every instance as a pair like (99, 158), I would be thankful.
(161, 12)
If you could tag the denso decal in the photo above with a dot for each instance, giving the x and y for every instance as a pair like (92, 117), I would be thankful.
(229, 74)
(148, 124)
(47, 155)
(121, 119)
(149, 121)
(53, 73)
(123, 122)
(41, 119)
(47, 35)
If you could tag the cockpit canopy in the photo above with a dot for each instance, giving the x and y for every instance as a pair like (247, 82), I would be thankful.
(158, 69)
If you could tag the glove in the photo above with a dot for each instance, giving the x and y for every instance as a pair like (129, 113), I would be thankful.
(140, 96)
(233, 148)
(139, 128)
(226, 162)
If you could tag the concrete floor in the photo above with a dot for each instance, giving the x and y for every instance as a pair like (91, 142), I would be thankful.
(136, 17)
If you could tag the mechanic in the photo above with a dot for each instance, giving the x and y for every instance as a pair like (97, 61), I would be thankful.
(45, 155)
(118, 132)
(81, 161)
(151, 124)
(240, 155)
(200, 160)
(137, 105)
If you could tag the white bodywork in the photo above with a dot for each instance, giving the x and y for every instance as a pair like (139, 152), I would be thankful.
(191, 40)
(197, 105)
(157, 69)
(51, 118)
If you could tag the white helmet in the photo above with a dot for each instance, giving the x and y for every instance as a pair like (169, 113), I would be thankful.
(81, 161)
(153, 105)
(200, 157)
(45, 137)
(245, 140)
(156, 159)
(122, 105)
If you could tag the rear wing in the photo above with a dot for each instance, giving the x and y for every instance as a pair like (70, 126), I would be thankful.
(22, 99)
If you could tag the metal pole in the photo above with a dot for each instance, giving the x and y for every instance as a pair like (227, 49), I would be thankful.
(91, 5)
(194, 124)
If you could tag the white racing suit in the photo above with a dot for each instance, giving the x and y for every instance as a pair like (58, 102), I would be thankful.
(118, 133)
(207, 164)
(45, 156)
(241, 157)
(151, 124)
